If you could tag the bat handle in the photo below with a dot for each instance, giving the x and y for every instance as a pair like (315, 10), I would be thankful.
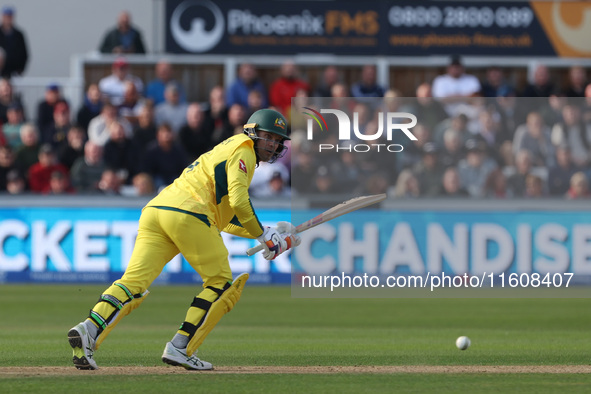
(254, 249)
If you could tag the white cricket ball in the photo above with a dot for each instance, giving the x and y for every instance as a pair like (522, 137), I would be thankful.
(463, 343)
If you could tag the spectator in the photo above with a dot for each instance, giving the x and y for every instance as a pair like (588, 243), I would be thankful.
(112, 87)
(458, 123)
(12, 40)
(46, 107)
(171, 111)
(143, 185)
(87, 170)
(285, 87)
(132, 103)
(491, 132)
(110, 182)
(59, 183)
(73, 148)
(407, 185)
(91, 107)
(12, 128)
(534, 186)
(40, 172)
(246, 82)
(322, 182)
(496, 185)
(235, 125)
(428, 172)
(452, 152)
(534, 136)
(541, 85)
(145, 132)
(577, 81)
(367, 86)
(579, 187)
(216, 116)
(55, 132)
(98, 129)
(454, 86)
(523, 165)
(475, 168)
(261, 178)
(255, 102)
(28, 154)
(164, 159)
(275, 187)
(303, 170)
(156, 87)
(6, 166)
(427, 109)
(330, 76)
(574, 133)
(495, 84)
(194, 137)
(15, 183)
(124, 38)
(450, 184)
(560, 173)
(118, 153)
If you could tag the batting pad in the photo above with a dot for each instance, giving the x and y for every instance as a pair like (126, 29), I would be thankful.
(126, 310)
(218, 309)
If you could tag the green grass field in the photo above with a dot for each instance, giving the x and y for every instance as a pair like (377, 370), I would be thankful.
(269, 328)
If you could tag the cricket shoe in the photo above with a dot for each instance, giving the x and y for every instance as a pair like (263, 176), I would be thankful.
(174, 356)
(83, 345)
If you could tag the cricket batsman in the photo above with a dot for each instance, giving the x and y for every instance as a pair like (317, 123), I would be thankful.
(210, 196)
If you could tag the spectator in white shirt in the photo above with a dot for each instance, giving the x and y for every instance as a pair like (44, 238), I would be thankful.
(455, 86)
(172, 110)
(112, 87)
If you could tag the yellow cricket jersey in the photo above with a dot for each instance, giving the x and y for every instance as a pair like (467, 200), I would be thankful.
(215, 188)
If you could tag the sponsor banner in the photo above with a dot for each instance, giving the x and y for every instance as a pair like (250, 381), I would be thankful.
(94, 245)
(406, 28)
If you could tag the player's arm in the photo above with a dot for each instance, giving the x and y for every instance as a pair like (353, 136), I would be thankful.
(239, 169)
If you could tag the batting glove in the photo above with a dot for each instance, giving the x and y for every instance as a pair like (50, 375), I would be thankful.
(289, 233)
(274, 243)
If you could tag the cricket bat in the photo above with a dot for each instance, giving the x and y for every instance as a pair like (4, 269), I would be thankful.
(334, 212)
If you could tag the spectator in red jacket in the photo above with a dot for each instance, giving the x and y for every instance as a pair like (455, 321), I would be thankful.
(40, 172)
(284, 88)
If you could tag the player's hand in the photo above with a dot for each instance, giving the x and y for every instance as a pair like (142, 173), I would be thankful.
(289, 233)
(274, 243)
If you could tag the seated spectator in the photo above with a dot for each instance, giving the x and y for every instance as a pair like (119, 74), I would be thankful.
(452, 151)
(534, 186)
(455, 86)
(235, 125)
(367, 86)
(255, 102)
(496, 185)
(56, 131)
(426, 108)
(541, 85)
(407, 185)
(323, 183)
(28, 154)
(246, 82)
(523, 166)
(428, 171)
(475, 168)
(560, 173)
(330, 76)
(574, 133)
(579, 187)
(110, 182)
(144, 132)
(118, 154)
(112, 87)
(577, 82)
(143, 185)
(73, 148)
(156, 87)
(91, 107)
(216, 115)
(86, 171)
(40, 172)
(495, 84)
(12, 40)
(303, 170)
(285, 87)
(132, 103)
(59, 183)
(450, 184)
(7, 98)
(98, 129)
(46, 107)
(193, 136)
(171, 111)
(6, 165)
(275, 187)
(12, 128)
(534, 136)
(165, 159)
(15, 182)
(124, 38)
(458, 123)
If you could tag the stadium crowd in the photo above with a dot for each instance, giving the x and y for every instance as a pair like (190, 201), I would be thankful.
(475, 139)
